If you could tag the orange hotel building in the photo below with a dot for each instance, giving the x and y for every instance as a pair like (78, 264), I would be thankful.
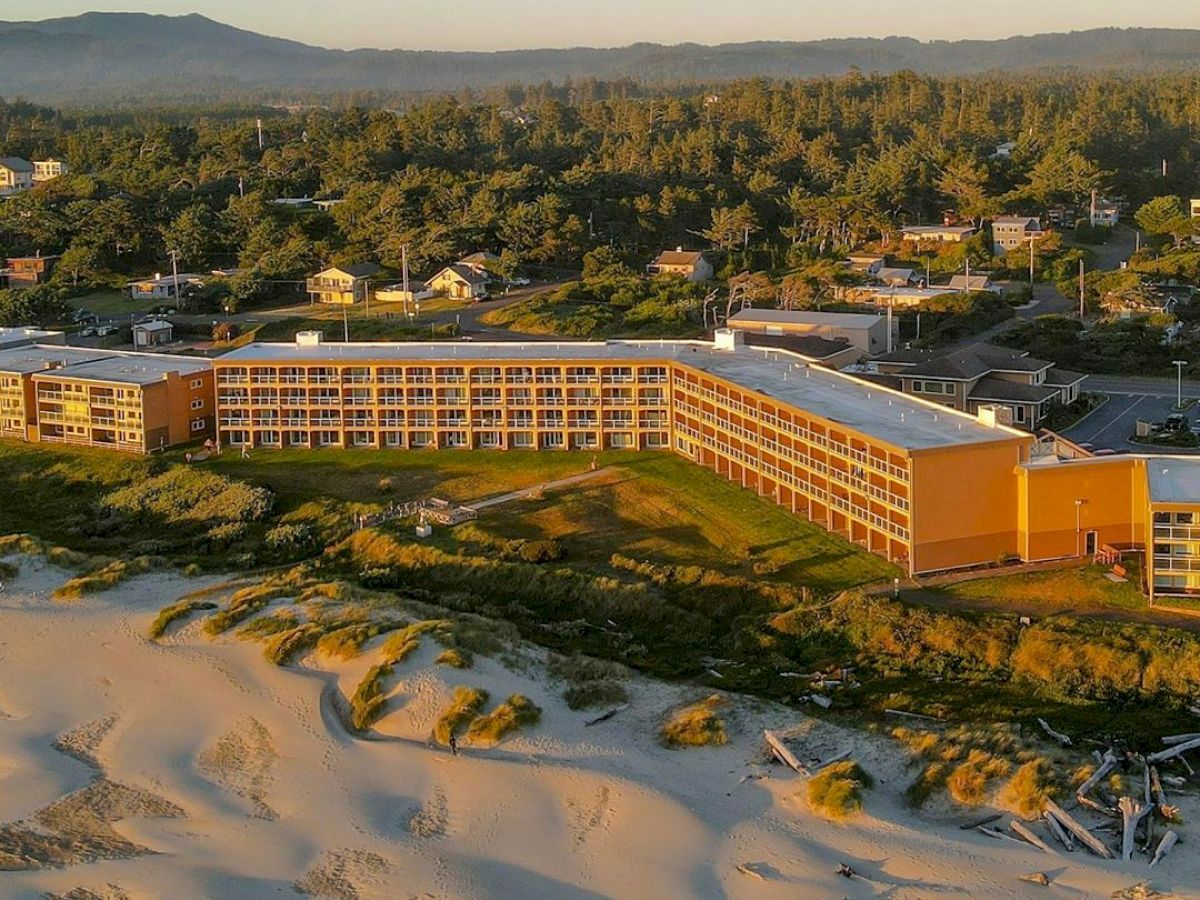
(135, 402)
(922, 485)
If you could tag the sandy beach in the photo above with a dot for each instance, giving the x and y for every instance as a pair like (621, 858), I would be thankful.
(191, 767)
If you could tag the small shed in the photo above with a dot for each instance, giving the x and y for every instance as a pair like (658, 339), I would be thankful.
(153, 333)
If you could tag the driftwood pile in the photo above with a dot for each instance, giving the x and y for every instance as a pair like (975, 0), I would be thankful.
(1143, 822)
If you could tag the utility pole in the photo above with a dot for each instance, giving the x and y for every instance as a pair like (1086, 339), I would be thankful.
(346, 322)
(258, 123)
(1082, 285)
(404, 276)
(1179, 364)
(1031, 265)
(175, 275)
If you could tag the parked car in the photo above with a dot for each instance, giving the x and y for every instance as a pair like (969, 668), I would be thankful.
(106, 330)
(87, 332)
(520, 281)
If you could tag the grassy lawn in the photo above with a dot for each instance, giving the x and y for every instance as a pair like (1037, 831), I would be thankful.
(1083, 589)
(113, 303)
(653, 506)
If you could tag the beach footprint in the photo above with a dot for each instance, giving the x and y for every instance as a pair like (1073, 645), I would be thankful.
(241, 762)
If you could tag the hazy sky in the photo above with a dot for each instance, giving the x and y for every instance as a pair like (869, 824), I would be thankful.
(506, 24)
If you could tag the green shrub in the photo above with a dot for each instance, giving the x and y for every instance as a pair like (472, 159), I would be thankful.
(366, 706)
(9, 570)
(290, 538)
(541, 551)
(266, 626)
(174, 612)
(104, 578)
(347, 641)
(455, 658)
(590, 694)
(463, 708)
(836, 791)
(285, 646)
(697, 725)
(518, 711)
(184, 494)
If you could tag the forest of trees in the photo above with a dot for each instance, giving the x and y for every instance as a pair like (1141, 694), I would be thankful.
(775, 176)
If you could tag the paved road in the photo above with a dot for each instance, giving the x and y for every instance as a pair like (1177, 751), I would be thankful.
(1130, 399)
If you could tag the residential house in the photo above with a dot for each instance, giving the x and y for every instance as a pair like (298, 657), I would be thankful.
(982, 375)
(46, 169)
(895, 277)
(1104, 213)
(689, 264)
(163, 287)
(341, 284)
(27, 271)
(961, 284)
(1010, 232)
(152, 333)
(16, 175)
(943, 234)
(866, 263)
(895, 297)
(483, 263)
(459, 282)
(1004, 150)
(1194, 206)
(867, 333)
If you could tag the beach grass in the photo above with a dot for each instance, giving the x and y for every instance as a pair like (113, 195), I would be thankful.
(463, 708)
(515, 713)
(696, 725)
(836, 791)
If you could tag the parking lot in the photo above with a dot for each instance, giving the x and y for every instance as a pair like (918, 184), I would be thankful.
(1131, 400)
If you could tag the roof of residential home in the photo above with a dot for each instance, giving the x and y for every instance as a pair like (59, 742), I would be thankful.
(990, 388)
(809, 345)
(158, 280)
(911, 293)
(1173, 479)
(1064, 377)
(679, 258)
(45, 256)
(481, 258)
(969, 283)
(965, 364)
(1031, 222)
(937, 229)
(896, 419)
(466, 273)
(806, 317)
(887, 273)
(16, 164)
(357, 270)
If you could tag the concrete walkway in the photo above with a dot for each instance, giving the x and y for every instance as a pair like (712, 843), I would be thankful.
(546, 486)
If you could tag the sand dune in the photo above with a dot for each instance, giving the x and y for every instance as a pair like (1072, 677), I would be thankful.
(216, 774)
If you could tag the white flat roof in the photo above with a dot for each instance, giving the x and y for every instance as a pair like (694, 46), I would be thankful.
(1173, 479)
(890, 416)
(804, 317)
(97, 365)
(13, 337)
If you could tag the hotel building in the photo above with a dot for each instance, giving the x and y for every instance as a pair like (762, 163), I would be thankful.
(868, 463)
(136, 402)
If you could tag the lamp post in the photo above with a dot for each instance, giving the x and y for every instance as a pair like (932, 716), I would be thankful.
(1179, 364)
(1078, 525)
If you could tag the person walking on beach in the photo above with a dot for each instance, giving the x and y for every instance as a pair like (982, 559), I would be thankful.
(454, 745)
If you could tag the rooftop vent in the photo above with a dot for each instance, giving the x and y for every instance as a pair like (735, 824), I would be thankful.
(309, 338)
(728, 339)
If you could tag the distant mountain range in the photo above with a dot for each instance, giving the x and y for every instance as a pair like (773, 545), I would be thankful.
(135, 56)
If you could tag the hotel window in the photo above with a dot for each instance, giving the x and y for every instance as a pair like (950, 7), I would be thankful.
(489, 439)
(1183, 518)
(297, 438)
(198, 403)
(393, 439)
(197, 383)
(620, 441)
(197, 424)
(327, 438)
(270, 438)
(521, 439)
(421, 439)
(552, 439)
(360, 438)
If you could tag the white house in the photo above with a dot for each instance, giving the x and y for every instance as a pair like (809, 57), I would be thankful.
(690, 264)
(1010, 232)
(46, 169)
(163, 287)
(16, 175)
(459, 282)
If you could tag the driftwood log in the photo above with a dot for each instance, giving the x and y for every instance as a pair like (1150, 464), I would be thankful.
(1172, 739)
(999, 835)
(1037, 878)
(782, 753)
(975, 823)
(1164, 847)
(1056, 735)
(1030, 836)
(1131, 816)
(1086, 838)
(1064, 837)
(1172, 752)
(1107, 764)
